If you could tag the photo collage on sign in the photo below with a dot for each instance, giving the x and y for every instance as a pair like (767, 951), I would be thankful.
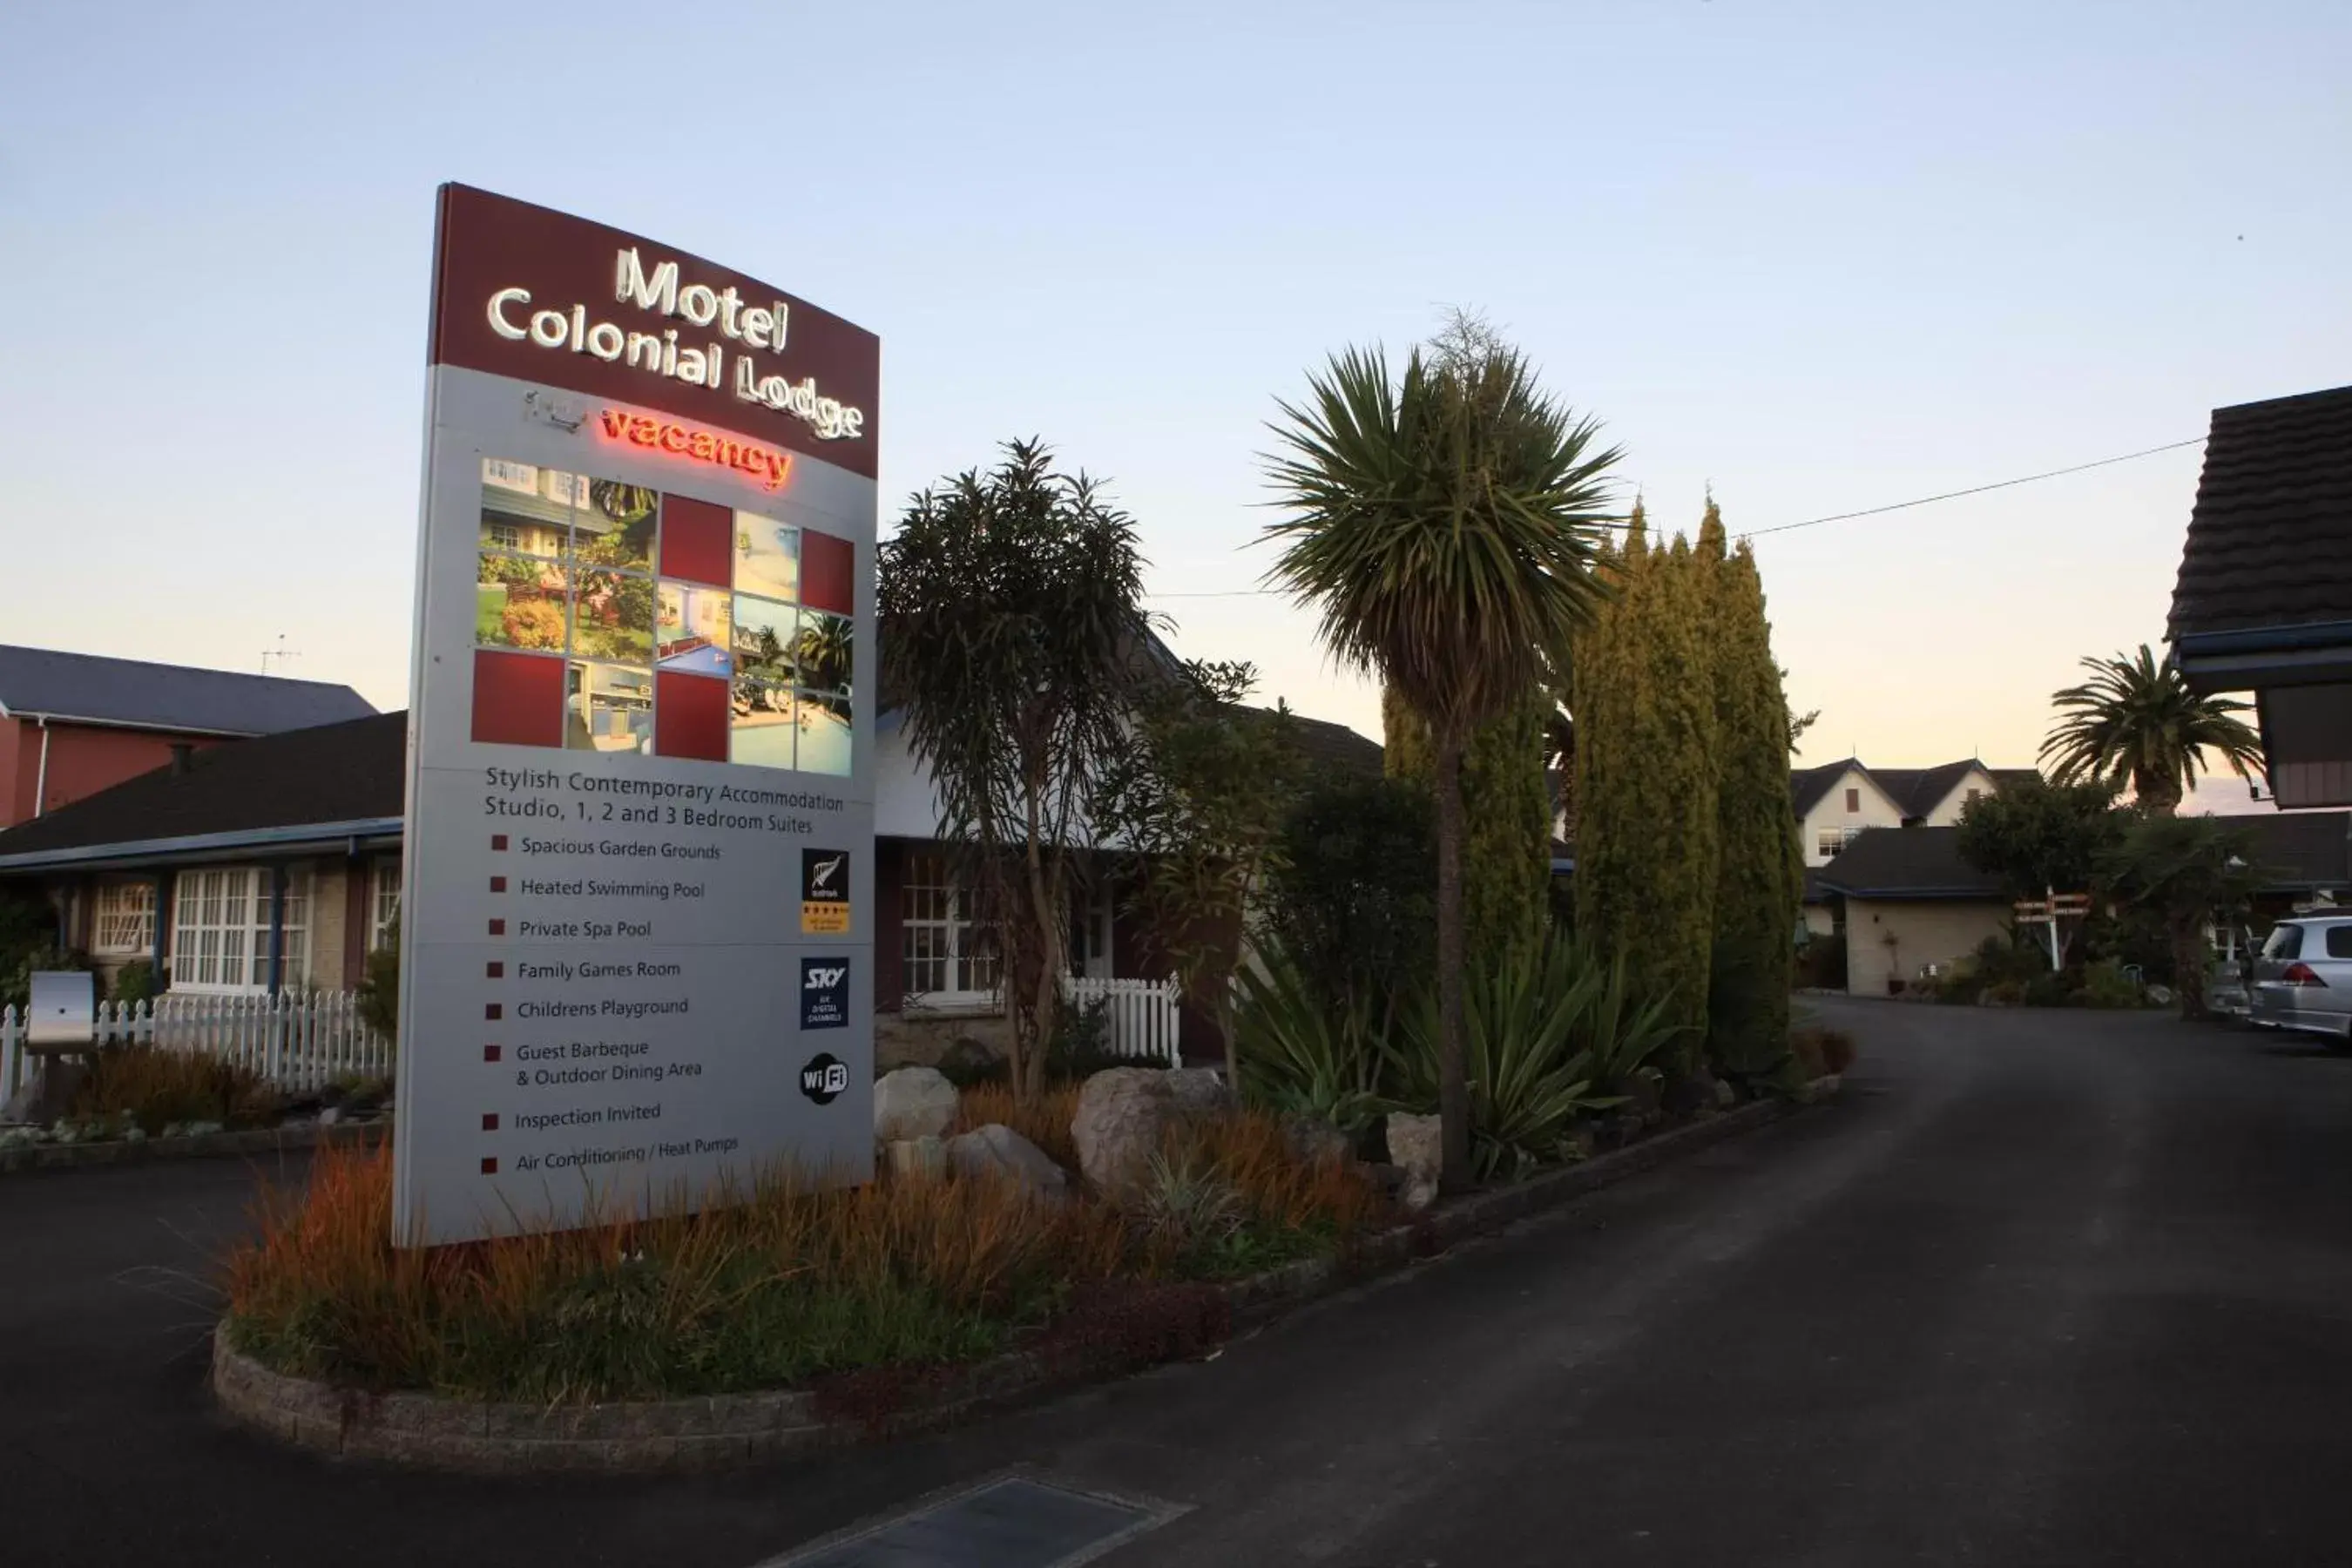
(610, 617)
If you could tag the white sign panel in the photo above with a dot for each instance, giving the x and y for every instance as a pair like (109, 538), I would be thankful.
(636, 931)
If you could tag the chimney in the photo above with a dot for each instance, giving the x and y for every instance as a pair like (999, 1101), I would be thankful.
(183, 754)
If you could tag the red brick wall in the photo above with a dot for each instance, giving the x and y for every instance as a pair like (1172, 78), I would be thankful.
(83, 760)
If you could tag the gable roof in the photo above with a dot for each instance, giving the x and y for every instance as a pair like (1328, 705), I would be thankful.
(2269, 538)
(1808, 786)
(1907, 863)
(46, 682)
(340, 778)
(1919, 791)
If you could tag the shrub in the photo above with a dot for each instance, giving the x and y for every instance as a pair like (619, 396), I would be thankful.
(781, 1285)
(153, 1088)
(379, 987)
(2104, 984)
(2050, 990)
(1351, 897)
(1554, 1035)
(1821, 963)
(1300, 1054)
(136, 982)
(1080, 1045)
(533, 624)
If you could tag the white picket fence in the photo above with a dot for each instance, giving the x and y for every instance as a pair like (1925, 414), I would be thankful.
(299, 1042)
(1143, 1015)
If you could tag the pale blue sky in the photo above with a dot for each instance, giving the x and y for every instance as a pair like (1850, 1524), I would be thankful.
(1825, 256)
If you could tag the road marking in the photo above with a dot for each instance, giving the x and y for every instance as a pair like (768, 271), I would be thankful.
(1005, 1521)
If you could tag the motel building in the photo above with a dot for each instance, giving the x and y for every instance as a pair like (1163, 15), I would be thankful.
(272, 864)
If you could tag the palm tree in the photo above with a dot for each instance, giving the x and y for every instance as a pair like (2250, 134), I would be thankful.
(2136, 721)
(1443, 524)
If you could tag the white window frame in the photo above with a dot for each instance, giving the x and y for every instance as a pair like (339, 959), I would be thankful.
(383, 904)
(511, 476)
(220, 930)
(122, 920)
(933, 907)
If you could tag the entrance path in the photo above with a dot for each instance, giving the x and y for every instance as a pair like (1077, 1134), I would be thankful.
(2045, 1288)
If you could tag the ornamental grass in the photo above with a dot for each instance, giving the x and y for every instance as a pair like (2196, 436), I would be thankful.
(785, 1287)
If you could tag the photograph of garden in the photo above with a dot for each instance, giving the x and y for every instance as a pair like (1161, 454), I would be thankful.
(566, 568)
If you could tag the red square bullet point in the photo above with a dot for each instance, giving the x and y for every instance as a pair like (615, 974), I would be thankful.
(495, 971)
(498, 884)
(490, 1167)
(497, 841)
(494, 1012)
(491, 1123)
(490, 1053)
(498, 928)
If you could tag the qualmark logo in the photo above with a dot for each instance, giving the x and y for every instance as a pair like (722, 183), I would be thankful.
(825, 877)
(824, 892)
(824, 1077)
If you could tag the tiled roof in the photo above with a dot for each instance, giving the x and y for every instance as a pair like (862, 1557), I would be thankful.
(2270, 541)
(1919, 791)
(1334, 747)
(167, 696)
(1907, 863)
(352, 772)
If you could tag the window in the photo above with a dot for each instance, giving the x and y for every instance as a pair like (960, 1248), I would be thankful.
(2286, 942)
(1975, 796)
(504, 535)
(220, 930)
(1090, 929)
(943, 941)
(2339, 941)
(1854, 800)
(125, 918)
(1832, 840)
(383, 905)
(508, 476)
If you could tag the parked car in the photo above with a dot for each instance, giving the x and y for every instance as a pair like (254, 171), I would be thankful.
(2303, 977)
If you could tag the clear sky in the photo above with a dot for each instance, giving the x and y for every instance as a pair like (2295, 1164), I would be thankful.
(1824, 257)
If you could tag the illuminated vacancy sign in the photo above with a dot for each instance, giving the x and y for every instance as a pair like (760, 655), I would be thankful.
(637, 894)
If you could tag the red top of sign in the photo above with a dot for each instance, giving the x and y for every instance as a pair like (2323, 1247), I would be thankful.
(523, 291)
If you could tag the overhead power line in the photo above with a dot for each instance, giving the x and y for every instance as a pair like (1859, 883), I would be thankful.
(1817, 521)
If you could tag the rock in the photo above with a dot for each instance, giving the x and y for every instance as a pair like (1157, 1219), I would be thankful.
(1202, 1091)
(1125, 1115)
(1311, 1139)
(913, 1102)
(1726, 1096)
(1417, 1144)
(916, 1159)
(330, 1115)
(996, 1151)
(967, 1061)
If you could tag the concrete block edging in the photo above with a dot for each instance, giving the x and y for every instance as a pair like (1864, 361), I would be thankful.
(722, 1430)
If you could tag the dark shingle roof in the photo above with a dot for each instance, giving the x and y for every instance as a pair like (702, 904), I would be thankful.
(1919, 791)
(1334, 747)
(1907, 863)
(1807, 785)
(352, 772)
(2014, 778)
(167, 696)
(2270, 541)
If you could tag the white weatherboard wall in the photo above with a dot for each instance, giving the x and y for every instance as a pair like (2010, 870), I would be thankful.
(1872, 809)
(655, 1001)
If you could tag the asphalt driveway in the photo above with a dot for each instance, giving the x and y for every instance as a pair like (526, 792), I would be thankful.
(2045, 1288)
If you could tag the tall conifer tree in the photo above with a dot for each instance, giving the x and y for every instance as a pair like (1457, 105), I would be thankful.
(1506, 852)
(1759, 875)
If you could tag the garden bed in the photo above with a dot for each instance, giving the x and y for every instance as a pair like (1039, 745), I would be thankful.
(1109, 1327)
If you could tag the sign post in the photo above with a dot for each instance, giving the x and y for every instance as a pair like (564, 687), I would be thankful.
(636, 932)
